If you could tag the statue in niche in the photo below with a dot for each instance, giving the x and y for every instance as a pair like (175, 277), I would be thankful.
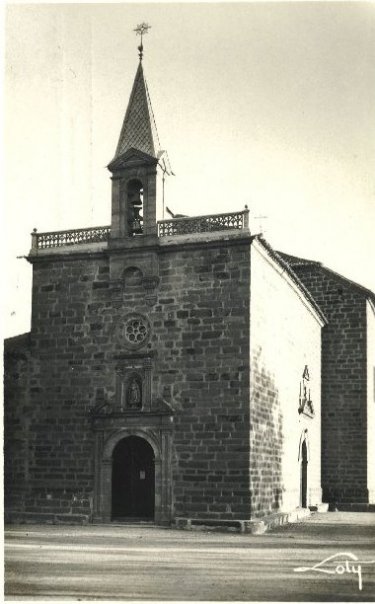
(134, 394)
(305, 403)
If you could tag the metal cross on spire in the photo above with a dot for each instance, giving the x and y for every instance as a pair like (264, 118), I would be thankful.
(141, 29)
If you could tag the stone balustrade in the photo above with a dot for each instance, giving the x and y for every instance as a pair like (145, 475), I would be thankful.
(203, 224)
(41, 241)
(166, 228)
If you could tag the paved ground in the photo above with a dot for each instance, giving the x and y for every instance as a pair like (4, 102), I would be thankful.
(148, 563)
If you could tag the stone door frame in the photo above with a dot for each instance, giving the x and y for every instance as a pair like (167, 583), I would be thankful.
(105, 441)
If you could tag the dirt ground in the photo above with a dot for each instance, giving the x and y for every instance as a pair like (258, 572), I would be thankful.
(137, 562)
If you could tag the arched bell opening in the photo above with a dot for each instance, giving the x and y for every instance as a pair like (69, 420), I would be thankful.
(133, 480)
(135, 207)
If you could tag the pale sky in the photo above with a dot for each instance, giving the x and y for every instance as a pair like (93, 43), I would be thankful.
(266, 104)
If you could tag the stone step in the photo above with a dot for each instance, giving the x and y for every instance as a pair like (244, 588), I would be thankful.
(275, 520)
(254, 527)
(45, 518)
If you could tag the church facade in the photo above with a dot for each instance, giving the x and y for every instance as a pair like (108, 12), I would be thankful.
(157, 381)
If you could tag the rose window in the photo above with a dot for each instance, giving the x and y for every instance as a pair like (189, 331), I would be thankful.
(136, 330)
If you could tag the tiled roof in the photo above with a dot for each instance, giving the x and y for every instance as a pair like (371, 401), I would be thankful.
(296, 262)
(139, 128)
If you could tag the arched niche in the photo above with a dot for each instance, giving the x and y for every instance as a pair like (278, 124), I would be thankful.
(132, 396)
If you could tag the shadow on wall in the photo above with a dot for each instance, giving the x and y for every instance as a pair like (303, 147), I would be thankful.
(17, 413)
(266, 440)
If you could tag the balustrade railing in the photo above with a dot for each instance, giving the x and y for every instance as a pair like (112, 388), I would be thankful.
(41, 241)
(166, 228)
(203, 224)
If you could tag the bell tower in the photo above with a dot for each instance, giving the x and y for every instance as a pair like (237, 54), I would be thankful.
(136, 167)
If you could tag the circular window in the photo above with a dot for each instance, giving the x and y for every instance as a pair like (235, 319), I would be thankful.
(136, 330)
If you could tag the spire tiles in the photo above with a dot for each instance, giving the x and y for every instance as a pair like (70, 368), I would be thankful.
(139, 128)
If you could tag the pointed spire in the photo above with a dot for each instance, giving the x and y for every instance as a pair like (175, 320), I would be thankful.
(139, 129)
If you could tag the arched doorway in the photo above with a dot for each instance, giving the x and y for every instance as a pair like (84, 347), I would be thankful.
(304, 462)
(133, 479)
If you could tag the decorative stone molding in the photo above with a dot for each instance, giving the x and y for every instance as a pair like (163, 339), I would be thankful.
(150, 283)
(158, 433)
(136, 371)
(305, 403)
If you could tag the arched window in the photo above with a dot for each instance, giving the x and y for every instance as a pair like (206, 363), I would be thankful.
(135, 207)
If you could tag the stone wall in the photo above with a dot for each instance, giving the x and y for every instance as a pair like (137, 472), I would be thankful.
(285, 338)
(65, 372)
(344, 384)
(16, 414)
(370, 310)
(195, 300)
(201, 330)
(192, 300)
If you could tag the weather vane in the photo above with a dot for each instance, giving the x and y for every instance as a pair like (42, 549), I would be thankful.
(141, 29)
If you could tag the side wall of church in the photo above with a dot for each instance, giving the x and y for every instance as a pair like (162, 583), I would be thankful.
(199, 345)
(371, 401)
(285, 338)
(344, 385)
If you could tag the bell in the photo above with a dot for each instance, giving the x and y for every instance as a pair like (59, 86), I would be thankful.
(136, 227)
